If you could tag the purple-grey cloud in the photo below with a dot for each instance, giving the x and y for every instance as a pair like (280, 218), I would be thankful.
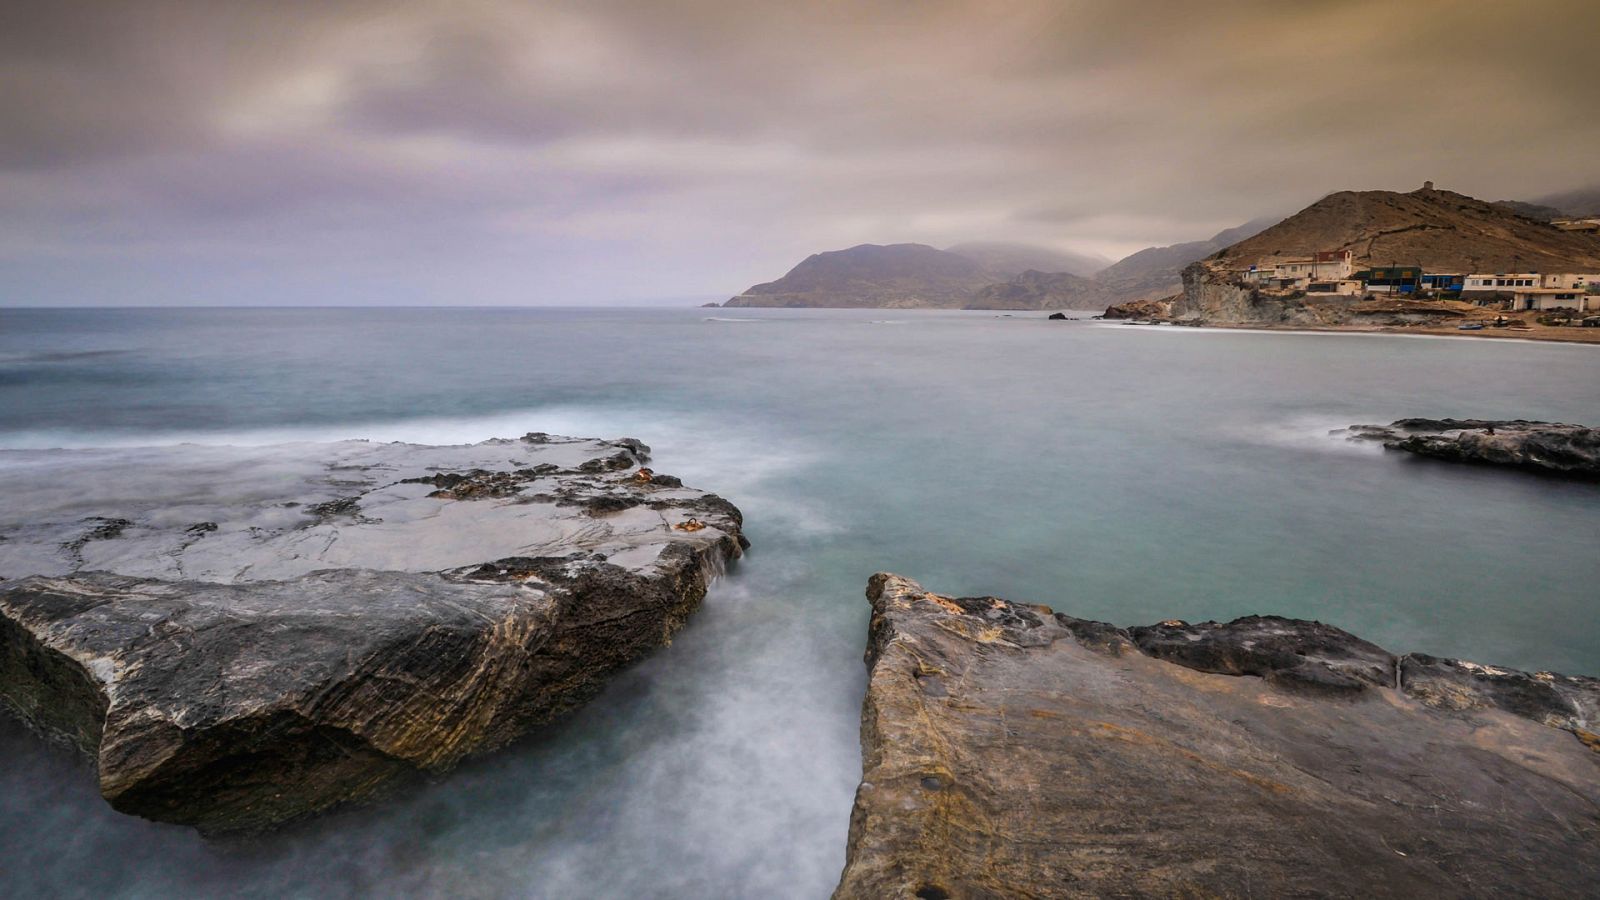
(496, 151)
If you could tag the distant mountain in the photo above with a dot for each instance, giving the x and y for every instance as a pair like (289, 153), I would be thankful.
(1439, 230)
(1532, 210)
(1578, 204)
(901, 276)
(1043, 290)
(1005, 260)
(1158, 271)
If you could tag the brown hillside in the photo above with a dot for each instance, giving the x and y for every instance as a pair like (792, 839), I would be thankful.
(1439, 230)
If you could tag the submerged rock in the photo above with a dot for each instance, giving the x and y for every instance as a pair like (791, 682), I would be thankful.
(1570, 451)
(352, 614)
(1011, 751)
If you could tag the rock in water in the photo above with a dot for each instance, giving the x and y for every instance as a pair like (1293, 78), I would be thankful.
(1570, 451)
(1009, 751)
(348, 614)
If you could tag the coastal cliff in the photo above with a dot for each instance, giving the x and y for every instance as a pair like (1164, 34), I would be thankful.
(1011, 751)
(355, 615)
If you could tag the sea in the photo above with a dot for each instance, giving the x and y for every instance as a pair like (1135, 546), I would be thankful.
(1115, 472)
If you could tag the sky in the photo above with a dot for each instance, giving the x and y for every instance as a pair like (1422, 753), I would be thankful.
(486, 152)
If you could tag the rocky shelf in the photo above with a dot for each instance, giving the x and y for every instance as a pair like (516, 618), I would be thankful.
(1550, 448)
(349, 615)
(1012, 751)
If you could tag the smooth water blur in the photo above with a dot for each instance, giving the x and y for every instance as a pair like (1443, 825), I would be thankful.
(1120, 473)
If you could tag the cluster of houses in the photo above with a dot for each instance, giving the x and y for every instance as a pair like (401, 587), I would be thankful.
(1333, 274)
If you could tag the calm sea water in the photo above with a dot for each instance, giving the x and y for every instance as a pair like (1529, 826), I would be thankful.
(1120, 473)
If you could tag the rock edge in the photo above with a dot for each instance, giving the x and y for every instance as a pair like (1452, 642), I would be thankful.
(237, 706)
(1008, 750)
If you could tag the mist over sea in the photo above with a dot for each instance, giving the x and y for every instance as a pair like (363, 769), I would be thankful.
(1121, 473)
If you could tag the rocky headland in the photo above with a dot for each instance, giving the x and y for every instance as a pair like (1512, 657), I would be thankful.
(1549, 448)
(1012, 751)
(1436, 230)
(348, 616)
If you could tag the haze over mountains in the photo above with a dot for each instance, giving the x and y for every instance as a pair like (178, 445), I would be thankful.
(1007, 259)
(1158, 271)
(980, 275)
(1434, 228)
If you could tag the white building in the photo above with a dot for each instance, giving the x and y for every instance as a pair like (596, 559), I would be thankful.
(1501, 283)
(1323, 266)
(1570, 281)
(1533, 291)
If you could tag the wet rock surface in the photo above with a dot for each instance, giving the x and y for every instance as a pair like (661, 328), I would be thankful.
(1010, 751)
(242, 637)
(1550, 448)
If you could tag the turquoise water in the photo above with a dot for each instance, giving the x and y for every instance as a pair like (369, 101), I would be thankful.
(1120, 473)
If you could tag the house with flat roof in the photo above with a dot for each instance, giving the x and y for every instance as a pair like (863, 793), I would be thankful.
(1571, 281)
(1299, 272)
(1536, 291)
(1392, 279)
(1343, 287)
(1501, 283)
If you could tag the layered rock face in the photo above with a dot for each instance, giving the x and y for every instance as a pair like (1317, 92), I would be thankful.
(1570, 451)
(239, 638)
(1010, 751)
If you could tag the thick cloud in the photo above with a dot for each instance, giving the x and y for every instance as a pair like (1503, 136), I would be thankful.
(494, 151)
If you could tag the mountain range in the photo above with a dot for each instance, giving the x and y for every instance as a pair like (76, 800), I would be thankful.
(1438, 229)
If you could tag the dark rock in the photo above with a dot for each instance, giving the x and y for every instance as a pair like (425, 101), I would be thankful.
(605, 504)
(344, 506)
(1550, 448)
(1008, 751)
(283, 666)
(1290, 652)
(1570, 702)
(1057, 317)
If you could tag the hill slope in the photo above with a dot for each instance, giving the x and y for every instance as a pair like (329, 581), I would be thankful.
(1043, 290)
(903, 276)
(1158, 271)
(1439, 230)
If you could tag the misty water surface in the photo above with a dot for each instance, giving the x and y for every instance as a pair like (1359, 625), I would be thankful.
(1119, 473)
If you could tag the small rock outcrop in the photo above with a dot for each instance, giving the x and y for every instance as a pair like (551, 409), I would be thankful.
(1012, 751)
(1139, 309)
(350, 616)
(1550, 448)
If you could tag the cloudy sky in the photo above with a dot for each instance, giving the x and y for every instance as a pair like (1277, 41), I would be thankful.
(496, 152)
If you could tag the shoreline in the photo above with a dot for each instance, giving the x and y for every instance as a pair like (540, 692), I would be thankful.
(1536, 335)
